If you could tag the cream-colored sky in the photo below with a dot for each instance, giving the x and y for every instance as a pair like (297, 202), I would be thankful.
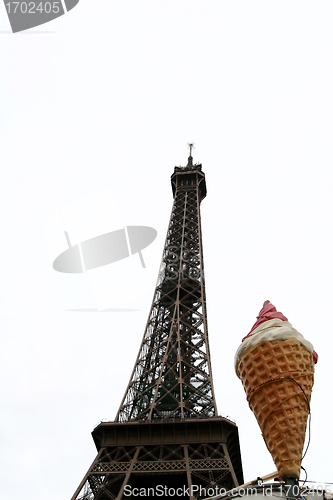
(107, 97)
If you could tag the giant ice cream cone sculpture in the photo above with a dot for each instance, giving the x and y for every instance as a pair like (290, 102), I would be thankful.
(276, 365)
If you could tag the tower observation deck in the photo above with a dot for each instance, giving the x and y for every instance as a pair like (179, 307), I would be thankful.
(167, 433)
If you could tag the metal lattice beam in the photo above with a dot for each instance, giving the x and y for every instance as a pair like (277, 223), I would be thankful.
(172, 374)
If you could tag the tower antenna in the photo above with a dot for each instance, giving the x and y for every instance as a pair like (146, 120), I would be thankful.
(190, 146)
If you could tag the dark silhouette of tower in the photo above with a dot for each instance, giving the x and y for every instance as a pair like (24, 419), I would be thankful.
(167, 435)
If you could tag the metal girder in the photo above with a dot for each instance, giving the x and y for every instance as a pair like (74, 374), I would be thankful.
(160, 465)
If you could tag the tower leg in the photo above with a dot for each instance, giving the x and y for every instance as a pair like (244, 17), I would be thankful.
(227, 456)
(129, 472)
(188, 472)
(85, 479)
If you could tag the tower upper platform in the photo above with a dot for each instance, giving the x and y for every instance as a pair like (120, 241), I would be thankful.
(189, 176)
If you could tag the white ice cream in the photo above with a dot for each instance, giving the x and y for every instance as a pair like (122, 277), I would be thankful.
(273, 329)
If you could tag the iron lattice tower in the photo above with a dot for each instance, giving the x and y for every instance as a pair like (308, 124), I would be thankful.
(167, 433)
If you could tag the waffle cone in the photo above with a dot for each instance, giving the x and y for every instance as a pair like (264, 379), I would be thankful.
(277, 376)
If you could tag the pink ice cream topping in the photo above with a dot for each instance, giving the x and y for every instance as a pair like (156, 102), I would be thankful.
(268, 312)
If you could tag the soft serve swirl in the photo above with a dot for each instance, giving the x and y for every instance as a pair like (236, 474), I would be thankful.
(272, 329)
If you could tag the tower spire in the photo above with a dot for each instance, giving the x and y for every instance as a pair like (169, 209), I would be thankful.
(190, 158)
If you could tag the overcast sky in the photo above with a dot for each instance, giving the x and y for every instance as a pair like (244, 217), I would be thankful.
(97, 107)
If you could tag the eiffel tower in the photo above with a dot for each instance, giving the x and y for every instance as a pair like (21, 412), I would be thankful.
(167, 438)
